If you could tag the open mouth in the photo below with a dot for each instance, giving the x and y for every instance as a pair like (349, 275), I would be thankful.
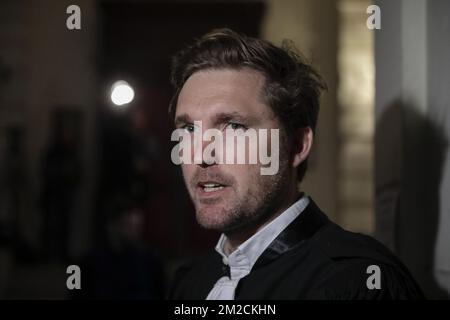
(210, 187)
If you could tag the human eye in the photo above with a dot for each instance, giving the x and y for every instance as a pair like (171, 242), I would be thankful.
(236, 126)
(188, 127)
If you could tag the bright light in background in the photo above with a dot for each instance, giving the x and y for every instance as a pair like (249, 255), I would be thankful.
(121, 93)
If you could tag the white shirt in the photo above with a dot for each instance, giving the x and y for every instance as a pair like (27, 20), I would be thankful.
(241, 260)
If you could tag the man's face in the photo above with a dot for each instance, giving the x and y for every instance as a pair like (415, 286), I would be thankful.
(230, 197)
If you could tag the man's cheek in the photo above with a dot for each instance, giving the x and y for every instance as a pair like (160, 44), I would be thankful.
(186, 169)
(187, 175)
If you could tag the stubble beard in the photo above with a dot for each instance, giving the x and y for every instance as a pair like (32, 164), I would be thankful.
(247, 212)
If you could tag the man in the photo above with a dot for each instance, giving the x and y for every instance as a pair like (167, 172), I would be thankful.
(275, 242)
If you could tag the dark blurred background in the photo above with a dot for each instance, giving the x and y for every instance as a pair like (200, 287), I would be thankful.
(86, 181)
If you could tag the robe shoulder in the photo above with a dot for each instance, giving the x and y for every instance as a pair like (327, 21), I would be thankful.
(190, 279)
(359, 267)
(331, 264)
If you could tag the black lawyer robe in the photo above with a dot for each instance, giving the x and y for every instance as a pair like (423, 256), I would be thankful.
(313, 258)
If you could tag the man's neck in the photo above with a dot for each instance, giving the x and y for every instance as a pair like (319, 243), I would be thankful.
(235, 239)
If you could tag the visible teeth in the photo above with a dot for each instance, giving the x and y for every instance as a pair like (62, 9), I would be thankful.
(210, 189)
(210, 185)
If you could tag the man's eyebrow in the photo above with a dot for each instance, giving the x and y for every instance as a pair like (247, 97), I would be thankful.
(182, 119)
(219, 118)
(230, 116)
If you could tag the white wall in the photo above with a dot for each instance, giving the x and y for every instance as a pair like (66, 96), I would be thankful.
(412, 134)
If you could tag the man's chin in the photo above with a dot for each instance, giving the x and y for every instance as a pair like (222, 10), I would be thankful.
(212, 219)
(220, 224)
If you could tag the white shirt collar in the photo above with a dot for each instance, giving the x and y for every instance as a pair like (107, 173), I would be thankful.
(241, 260)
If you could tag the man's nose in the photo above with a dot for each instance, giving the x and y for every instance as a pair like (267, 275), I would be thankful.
(208, 154)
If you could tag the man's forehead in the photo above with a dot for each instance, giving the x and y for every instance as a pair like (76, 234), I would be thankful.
(210, 83)
(222, 90)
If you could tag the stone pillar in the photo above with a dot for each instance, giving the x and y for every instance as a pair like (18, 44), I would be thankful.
(312, 27)
(355, 185)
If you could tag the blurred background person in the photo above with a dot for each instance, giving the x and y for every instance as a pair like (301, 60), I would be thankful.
(121, 266)
(61, 174)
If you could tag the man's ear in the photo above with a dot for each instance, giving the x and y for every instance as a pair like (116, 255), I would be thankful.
(302, 147)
